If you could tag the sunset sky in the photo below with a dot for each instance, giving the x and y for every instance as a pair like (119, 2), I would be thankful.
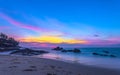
(62, 22)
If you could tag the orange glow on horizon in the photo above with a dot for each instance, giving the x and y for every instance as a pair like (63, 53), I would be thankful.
(52, 39)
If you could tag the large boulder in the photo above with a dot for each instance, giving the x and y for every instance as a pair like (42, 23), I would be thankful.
(58, 48)
(76, 50)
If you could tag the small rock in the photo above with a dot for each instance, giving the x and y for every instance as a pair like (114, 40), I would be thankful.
(95, 53)
(112, 56)
(29, 70)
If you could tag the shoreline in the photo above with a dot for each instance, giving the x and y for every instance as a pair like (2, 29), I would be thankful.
(22, 65)
(85, 60)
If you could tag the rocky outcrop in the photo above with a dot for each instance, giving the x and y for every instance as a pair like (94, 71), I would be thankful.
(95, 53)
(4, 49)
(75, 50)
(104, 54)
(28, 52)
(58, 48)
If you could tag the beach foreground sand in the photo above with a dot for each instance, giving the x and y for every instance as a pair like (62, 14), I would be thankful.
(18, 65)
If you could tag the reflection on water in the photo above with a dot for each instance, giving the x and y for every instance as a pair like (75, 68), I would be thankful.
(50, 56)
(59, 57)
(96, 61)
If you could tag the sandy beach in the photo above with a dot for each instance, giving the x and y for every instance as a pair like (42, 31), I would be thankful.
(19, 65)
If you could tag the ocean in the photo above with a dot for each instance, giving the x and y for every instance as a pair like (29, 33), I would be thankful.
(86, 57)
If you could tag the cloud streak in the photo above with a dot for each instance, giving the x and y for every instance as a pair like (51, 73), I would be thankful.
(40, 30)
(22, 25)
(103, 42)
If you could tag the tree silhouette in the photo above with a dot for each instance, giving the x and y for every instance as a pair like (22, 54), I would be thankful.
(3, 36)
(6, 41)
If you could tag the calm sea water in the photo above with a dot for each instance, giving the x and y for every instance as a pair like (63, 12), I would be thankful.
(88, 52)
(86, 57)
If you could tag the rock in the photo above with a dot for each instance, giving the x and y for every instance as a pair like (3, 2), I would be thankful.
(106, 52)
(113, 56)
(103, 54)
(95, 53)
(5, 49)
(70, 50)
(99, 54)
(51, 74)
(64, 51)
(28, 52)
(76, 50)
(58, 48)
(30, 70)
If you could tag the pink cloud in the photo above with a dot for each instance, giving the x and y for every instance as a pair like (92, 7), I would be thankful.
(43, 45)
(103, 42)
(22, 25)
(115, 39)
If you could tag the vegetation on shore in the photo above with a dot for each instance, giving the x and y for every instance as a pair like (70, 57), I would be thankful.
(6, 41)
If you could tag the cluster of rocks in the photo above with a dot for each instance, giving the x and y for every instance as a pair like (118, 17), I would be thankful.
(105, 53)
(4, 49)
(28, 52)
(75, 50)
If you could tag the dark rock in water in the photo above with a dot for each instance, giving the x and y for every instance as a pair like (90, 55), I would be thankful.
(106, 51)
(76, 50)
(113, 56)
(99, 54)
(64, 51)
(103, 54)
(70, 50)
(95, 53)
(4, 49)
(28, 52)
(58, 48)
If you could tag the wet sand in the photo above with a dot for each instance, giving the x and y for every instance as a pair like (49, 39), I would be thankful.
(19, 65)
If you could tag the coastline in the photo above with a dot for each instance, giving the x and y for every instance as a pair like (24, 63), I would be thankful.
(22, 65)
